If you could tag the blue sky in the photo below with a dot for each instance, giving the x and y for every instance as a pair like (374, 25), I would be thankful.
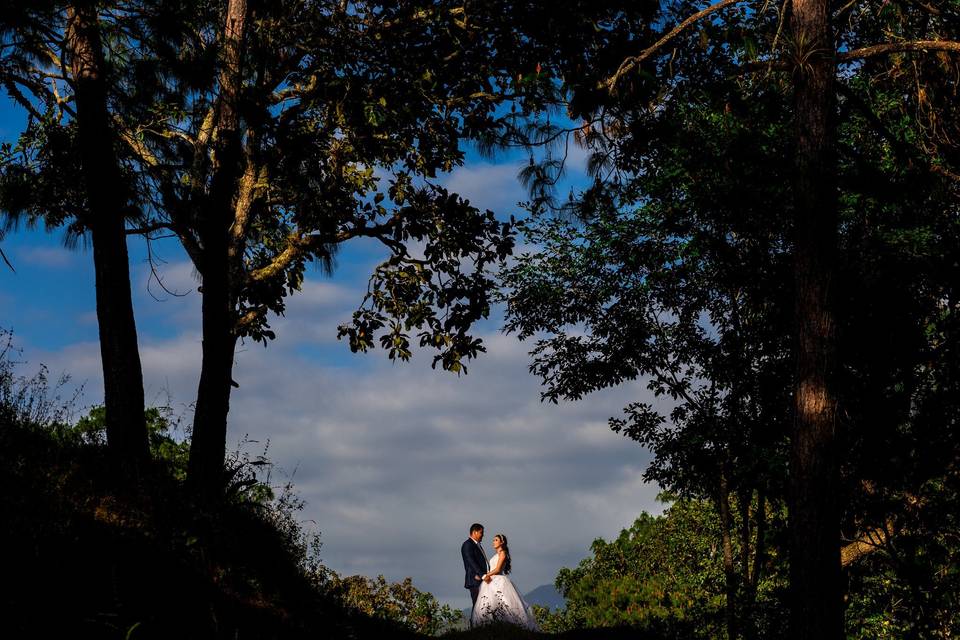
(394, 461)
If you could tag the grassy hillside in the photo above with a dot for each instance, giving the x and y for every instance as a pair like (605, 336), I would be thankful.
(83, 555)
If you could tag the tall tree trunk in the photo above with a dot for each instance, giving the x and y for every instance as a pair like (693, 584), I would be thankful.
(744, 498)
(208, 444)
(814, 515)
(746, 533)
(753, 579)
(729, 570)
(119, 352)
(219, 267)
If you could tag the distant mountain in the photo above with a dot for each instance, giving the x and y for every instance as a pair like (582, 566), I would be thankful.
(546, 595)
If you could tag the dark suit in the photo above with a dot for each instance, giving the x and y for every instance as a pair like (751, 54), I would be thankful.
(474, 564)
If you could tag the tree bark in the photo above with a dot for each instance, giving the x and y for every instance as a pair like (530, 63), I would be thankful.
(729, 570)
(753, 577)
(119, 353)
(816, 612)
(219, 268)
(746, 533)
(208, 444)
(867, 543)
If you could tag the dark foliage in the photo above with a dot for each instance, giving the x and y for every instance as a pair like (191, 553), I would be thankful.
(87, 558)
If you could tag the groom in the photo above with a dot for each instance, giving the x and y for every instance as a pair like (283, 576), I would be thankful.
(474, 560)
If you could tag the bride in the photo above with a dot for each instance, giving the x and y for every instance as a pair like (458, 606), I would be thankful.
(499, 600)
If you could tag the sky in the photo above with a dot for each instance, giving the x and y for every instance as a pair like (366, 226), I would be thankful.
(393, 461)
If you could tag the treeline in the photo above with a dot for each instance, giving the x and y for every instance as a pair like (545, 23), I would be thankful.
(769, 237)
(668, 575)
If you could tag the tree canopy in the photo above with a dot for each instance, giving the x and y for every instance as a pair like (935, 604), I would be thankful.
(752, 240)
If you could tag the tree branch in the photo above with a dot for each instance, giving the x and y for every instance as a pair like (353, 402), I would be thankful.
(250, 316)
(866, 544)
(10, 84)
(926, 6)
(946, 173)
(191, 246)
(898, 47)
(298, 244)
(204, 135)
(631, 63)
(247, 187)
(3, 256)
(150, 228)
(137, 146)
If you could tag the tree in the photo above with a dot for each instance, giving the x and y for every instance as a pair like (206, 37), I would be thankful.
(165, 449)
(107, 202)
(398, 602)
(814, 468)
(664, 575)
(747, 44)
(273, 150)
(96, 196)
(903, 384)
(682, 291)
(262, 135)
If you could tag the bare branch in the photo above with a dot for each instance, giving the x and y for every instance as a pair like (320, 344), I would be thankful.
(866, 544)
(155, 275)
(150, 228)
(898, 47)
(6, 261)
(136, 145)
(631, 63)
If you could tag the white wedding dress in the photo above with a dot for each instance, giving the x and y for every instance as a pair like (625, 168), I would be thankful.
(499, 601)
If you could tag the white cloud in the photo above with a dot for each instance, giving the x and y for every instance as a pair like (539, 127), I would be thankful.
(488, 186)
(87, 318)
(48, 257)
(396, 461)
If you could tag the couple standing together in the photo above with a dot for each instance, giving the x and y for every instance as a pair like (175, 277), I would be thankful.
(495, 599)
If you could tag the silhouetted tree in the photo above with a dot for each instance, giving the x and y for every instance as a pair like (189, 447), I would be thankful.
(98, 202)
(808, 48)
(276, 149)
(263, 135)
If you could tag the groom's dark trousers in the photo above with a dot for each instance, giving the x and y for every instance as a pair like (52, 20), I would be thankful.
(474, 564)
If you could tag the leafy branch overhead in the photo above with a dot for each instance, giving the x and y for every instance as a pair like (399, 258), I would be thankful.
(439, 293)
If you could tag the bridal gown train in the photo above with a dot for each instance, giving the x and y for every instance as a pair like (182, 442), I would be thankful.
(499, 601)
